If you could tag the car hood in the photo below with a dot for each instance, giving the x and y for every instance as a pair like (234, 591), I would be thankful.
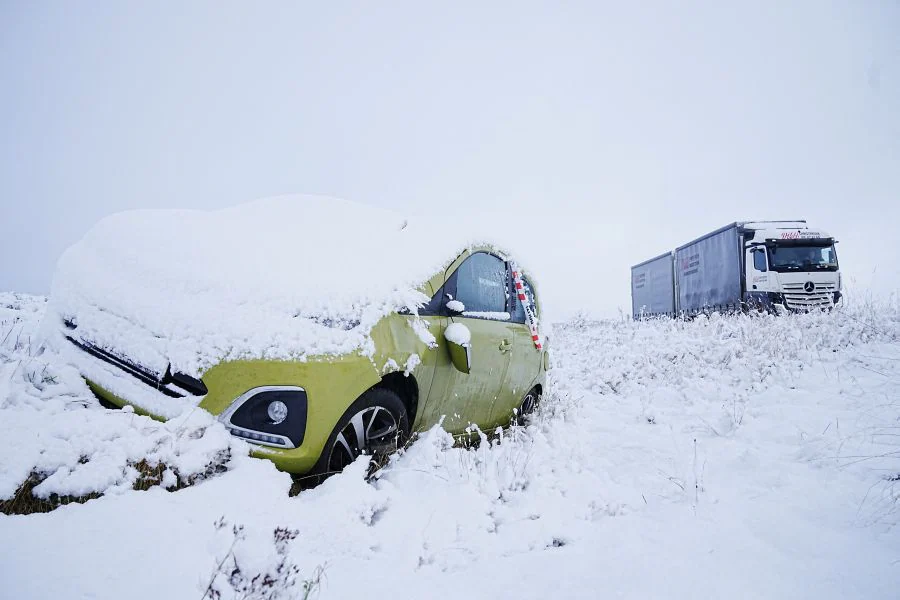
(282, 278)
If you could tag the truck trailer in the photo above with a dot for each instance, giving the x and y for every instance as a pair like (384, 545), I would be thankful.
(748, 264)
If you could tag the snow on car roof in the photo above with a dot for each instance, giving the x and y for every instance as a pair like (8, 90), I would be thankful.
(282, 277)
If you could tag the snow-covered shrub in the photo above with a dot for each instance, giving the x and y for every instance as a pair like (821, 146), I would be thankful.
(252, 569)
(660, 369)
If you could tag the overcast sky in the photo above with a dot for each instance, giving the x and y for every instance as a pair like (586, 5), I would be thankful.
(623, 129)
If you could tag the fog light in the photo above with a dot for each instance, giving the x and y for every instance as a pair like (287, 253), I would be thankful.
(277, 412)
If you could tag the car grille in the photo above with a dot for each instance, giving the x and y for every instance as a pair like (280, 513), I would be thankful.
(175, 385)
(797, 298)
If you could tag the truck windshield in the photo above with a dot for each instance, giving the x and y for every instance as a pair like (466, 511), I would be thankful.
(795, 257)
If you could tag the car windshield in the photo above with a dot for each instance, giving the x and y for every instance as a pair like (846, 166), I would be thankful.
(802, 258)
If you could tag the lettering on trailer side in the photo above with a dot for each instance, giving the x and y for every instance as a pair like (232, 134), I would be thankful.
(690, 264)
(640, 280)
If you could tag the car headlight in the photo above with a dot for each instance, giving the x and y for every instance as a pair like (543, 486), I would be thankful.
(277, 411)
(273, 415)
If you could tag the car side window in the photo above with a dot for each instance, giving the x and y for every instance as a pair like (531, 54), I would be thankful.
(759, 261)
(481, 285)
(518, 314)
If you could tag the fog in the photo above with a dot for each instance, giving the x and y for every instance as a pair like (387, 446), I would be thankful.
(609, 133)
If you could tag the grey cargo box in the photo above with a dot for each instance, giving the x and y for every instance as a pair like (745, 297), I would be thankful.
(652, 287)
(708, 271)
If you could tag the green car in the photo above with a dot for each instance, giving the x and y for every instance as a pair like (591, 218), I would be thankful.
(466, 356)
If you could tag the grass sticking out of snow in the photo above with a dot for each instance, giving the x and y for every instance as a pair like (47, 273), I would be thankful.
(273, 579)
(24, 502)
(145, 475)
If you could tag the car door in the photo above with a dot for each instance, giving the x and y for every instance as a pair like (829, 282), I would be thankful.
(480, 284)
(525, 364)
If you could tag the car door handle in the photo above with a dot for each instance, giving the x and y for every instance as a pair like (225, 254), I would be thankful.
(505, 346)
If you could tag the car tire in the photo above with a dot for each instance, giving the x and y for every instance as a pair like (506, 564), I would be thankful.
(376, 424)
(529, 403)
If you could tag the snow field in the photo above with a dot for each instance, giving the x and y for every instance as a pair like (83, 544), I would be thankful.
(740, 457)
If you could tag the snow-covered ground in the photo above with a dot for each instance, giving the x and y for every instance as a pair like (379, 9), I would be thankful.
(724, 457)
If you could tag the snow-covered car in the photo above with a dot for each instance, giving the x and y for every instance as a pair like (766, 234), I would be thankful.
(314, 329)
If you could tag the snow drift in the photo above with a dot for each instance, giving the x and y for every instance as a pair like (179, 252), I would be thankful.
(750, 457)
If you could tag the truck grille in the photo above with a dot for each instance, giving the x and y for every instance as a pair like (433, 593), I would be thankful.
(797, 298)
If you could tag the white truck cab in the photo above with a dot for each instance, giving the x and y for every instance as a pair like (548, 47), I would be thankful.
(788, 263)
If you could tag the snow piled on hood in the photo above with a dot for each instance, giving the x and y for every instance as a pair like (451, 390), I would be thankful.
(285, 277)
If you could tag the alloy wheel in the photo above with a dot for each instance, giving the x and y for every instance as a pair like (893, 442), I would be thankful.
(373, 430)
(528, 403)
(526, 407)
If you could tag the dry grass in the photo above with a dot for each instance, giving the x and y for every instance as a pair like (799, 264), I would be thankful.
(24, 502)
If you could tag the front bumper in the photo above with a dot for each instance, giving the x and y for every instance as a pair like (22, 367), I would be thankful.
(295, 460)
(332, 386)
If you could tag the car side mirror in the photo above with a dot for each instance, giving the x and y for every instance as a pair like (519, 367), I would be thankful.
(459, 344)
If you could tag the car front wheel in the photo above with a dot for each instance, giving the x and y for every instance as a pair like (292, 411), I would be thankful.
(376, 424)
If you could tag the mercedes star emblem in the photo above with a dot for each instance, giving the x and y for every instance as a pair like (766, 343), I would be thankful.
(809, 287)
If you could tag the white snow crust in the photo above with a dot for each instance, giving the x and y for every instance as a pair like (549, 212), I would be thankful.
(457, 306)
(412, 362)
(458, 334)
(495, 316)
(285, 277)
(420, 326)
